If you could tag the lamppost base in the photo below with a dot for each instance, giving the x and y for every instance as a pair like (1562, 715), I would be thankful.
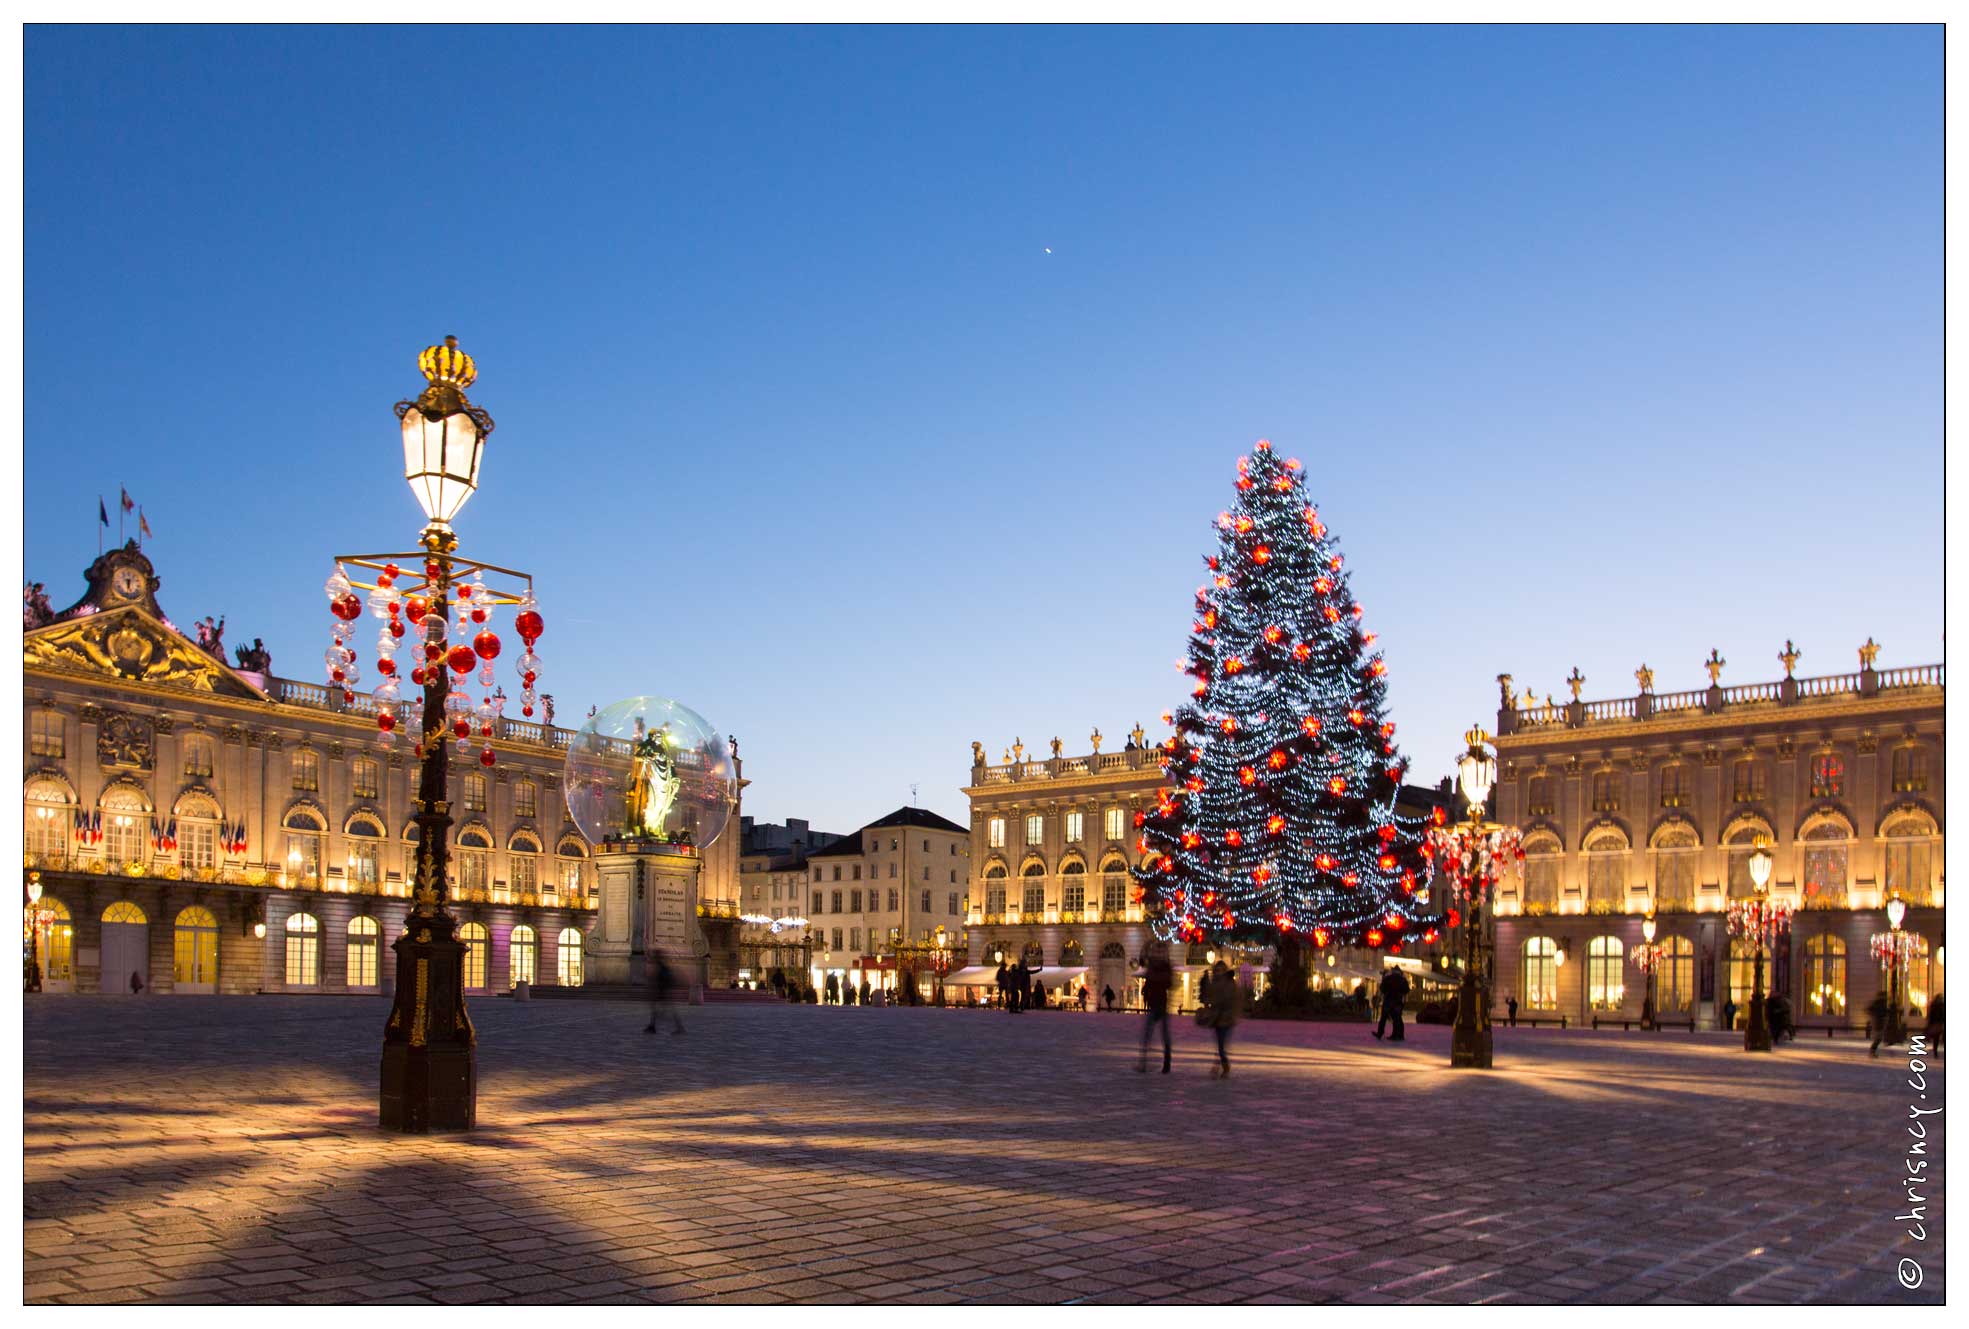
(430, 1057)
(1469, 1037)
(428, 1089)
(1757, 1031)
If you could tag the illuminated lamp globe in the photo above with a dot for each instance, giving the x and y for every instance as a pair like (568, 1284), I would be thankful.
(34, 888)
(260, 931)
(443, 434)
(1896, 911)
(1559, 958)
(1476, 770)
(1760, 865)
(650, 768)
(1648, 929)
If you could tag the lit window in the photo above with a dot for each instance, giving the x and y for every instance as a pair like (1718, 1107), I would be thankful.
(1074, 820)
(126, 826)
(1073, 888)
(49, 819)
(1117, 823)
(1605, 986)
(1540, 979)
(526, 799)
(475, 793)
(473, 935)
(364, 773)
(1606, 791)
(1747, 785)
(1541, 872)
(45, 733)
(995, 890)
(1675, 990)
(1910, 856)
(303, 950)
(995, 832)
(195, 950)
(1035, 828)
(1826, 848)
(568, 960)
(1828, 775)
(522, 952)
(526, 872)
(1675, 786)
(1910, 770)
(307, 771)
(362, 952)
(1825, 975)
(1034, 881)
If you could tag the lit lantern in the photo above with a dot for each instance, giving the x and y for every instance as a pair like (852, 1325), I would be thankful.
(443, 434)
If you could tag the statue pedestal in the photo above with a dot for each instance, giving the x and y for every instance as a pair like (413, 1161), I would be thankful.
(648, 901)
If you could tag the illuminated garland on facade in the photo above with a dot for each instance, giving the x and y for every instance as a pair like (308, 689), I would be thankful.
(1279, 818)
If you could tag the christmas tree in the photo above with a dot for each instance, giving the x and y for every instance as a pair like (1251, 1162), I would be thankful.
(1278, 825)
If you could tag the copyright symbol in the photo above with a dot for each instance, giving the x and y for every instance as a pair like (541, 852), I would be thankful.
(1909, 1274)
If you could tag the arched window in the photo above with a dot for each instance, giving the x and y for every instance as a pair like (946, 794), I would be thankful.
(123, 911)
(473, 935)
(198, 756)
(363, 944)
(1541, 870)
(195, 950)
(1675, 981)
(1113, 951)
(1606, 869)
(1738, 841)
(126, 826)
(1828, 844)
(57, 941)
(1073, 887)
(522, 854)
(1675, 850)
(474, 859)
(1114, 887)
(197, 816)
(994, 890)
(1825, 975)
(50, 818)
(1539, 980)
(570, 854)
(303, 950)
(306, 832)
(521, 954)
(568, 961)
(1606, 983)
(1032, 878)
(1034, 955)
(1070, 952)
(1909, 857)
(365, 845)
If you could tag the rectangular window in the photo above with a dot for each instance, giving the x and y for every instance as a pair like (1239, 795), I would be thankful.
(837, 939)
(926, 902)
(1539, 801)
(362, 863)
(1910, 770)
(1074, 893)
(854, 939)
(892, 871)
(198, 843)
(995, 832)
(472, 874)
(1675, 786)
(837, 872)
(835, 902)
(307, 772)
(525, 874)
(304, 858)
(1073, 827)
(45, 733)
(1117, 824)
(362, 777)
(1606, 791)
(303, 954)
(926, 846)
(1035, 828)
(362, 959)
(816, 902)
(475, 793)
(953, 903)
(526, 799)
(1748, 784)
(895, 900)
(854, 902)
(571, 876)
(857, 872)
(1828, 776)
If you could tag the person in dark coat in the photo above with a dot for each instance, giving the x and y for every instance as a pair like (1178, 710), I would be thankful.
(661, 982)
(1221, 1001)
(1158, 978)
(1876, 1016)
(1394, 989)
(1777, 1014)
(1931, 1032)
(1039, 993)
(1004, 985)
(1107, 995)
(1511, 1010)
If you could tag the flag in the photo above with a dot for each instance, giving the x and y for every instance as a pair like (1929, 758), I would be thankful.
(143, 525)
(127, 504)
(102, 511)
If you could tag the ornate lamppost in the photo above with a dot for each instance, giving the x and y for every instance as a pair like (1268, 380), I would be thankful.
(1897, 949)
(429, 1068)
(1760, 921)
(1473, 856)
(34, 926)
(1648, 956)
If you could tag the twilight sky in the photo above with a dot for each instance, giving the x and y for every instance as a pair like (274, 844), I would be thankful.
(1601, 346)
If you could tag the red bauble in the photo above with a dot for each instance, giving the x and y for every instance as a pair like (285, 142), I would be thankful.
(486, 758)
(433, 651)
(461, 727)
(432, 568)
(478, 614)
(392, 571)
(486, 644)
(385, 721)
(396, 628)
(335, 674)
(526, 710)
(528, 624)
(416, 607)
(386, 667)
(417, 676)
(346, 607)
(527, 678)
(464, 592)
(348, 698)
(462, 659)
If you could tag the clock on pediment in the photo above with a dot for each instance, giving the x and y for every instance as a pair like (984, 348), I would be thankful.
(126, 583)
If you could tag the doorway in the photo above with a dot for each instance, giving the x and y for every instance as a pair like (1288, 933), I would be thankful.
(195, 953)
(126, 947)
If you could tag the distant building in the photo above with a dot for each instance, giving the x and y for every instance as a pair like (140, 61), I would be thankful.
(1654, 801)
(772, 886)
(896, 881)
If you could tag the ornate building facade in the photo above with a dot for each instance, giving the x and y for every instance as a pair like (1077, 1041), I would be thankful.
(1653, 803)
(210, 829)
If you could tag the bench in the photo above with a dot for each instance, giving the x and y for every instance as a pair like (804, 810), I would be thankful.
(1832, 1028)
(1631, 1022)
(1533, 1020)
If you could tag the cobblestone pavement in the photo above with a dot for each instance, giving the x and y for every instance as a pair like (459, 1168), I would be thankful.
(224, 1149)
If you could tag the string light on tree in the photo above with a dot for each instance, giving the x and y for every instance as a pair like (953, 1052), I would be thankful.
(1279, 821)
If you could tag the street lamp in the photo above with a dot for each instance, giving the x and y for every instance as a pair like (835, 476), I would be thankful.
(429, 1065)
(1473, 856)
(1648, 957)
(1898, 948)
(33, 932)
(1760, 921)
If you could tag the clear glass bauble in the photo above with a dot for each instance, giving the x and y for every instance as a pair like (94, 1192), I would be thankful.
(653, 769)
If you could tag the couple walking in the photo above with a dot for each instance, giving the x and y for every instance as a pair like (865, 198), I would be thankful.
(1221, 1000)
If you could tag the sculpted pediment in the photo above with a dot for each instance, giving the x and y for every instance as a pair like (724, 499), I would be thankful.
(131, 646)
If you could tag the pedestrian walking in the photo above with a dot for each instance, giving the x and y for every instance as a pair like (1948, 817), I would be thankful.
(1394, 990)
(1083, 996)
(1931, 1033)
(1729, 1012)
(1107, 995)
(1511, 1011)
(1158, 977)
(1039, 993)
(136, 982)
(1876, 1017)
(1004, 986)
(1221, 999)
(661, 983)
(1777, 1012)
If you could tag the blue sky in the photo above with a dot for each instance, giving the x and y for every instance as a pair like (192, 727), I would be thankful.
(1600, 345)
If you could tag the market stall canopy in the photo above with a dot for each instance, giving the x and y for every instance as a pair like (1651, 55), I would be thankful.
(977, 975)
